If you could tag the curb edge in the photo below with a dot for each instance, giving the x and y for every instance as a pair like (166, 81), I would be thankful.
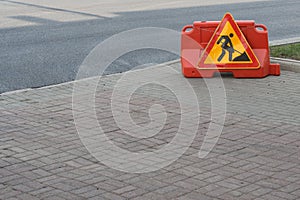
(287, 64)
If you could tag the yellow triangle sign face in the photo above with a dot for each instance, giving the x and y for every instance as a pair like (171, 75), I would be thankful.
(228, 48)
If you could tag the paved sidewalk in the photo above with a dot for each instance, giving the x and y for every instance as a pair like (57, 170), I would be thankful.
(256, 157)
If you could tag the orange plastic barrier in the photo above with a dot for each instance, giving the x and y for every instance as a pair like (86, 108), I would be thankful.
(239, 47)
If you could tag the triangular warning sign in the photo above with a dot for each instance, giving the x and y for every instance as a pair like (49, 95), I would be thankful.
(228, 48)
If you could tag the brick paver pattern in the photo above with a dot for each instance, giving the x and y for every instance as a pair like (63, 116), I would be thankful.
(256, 157)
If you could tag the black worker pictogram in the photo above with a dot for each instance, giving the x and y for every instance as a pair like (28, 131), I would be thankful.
(227, 46)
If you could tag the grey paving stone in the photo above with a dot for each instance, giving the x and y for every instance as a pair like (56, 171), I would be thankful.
(134, 193)
(9, 192)
(124, 189)
(42, 190)
(195, 196)
(93, 193)
(25, 196)
(261, 191)
(284, 195)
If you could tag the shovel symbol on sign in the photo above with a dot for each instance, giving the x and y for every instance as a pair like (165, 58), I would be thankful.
(227, 46)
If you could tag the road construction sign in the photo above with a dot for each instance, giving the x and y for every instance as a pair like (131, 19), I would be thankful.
(228, 48)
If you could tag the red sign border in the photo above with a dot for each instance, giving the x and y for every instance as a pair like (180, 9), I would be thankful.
(228, 18)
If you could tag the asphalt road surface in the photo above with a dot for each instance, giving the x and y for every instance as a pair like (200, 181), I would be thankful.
(38, 50)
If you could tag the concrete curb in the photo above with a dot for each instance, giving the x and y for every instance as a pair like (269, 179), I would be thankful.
(287, 64)
(284, 41)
